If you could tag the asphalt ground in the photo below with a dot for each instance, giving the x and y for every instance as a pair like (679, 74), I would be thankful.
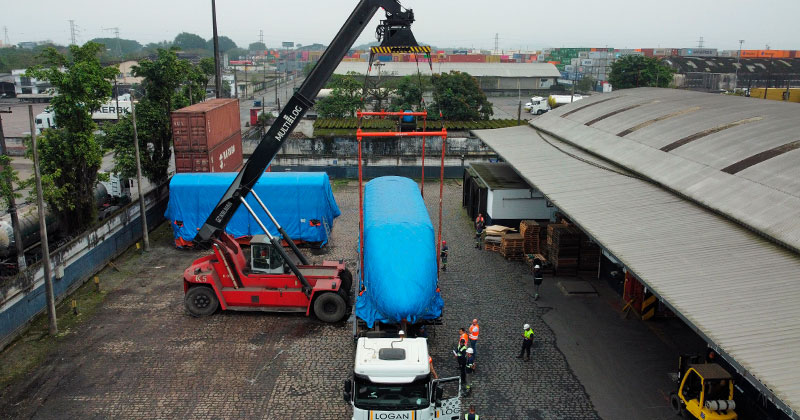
(141, 356)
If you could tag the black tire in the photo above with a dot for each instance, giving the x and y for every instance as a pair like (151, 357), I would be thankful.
(347, 281)
(345, 296)
(676, 403)
(330, 307)
(201, 301)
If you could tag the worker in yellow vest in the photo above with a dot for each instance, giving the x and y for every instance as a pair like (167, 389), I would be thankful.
(527, 342)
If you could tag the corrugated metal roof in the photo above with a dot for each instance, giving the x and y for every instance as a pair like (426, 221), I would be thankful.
(499, 176)
(734, 287)
(683, 140)
(474, 69)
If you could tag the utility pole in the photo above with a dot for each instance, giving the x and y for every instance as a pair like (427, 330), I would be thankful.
(519, 105)
(700, 42)
(12, 203)
(245, 79)
(72, 32)
(5, 36)
(736, 73)
(48, 271)
(217, 73)
(142, 210)
(496, 43)
(116, 95)
(116, 34)
(261, 36)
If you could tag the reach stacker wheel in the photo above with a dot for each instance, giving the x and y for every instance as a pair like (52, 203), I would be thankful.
(201, 301)
(330, 307)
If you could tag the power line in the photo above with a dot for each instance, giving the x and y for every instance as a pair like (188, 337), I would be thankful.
(261, 36)
(700, 42)
(5, 36)
(116, 33)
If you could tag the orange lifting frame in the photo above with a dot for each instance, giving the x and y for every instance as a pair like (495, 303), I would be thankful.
(360, 135)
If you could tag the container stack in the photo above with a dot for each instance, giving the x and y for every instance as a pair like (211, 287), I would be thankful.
(207, 137)
(512, 246)
(564, 244)
(529, 230)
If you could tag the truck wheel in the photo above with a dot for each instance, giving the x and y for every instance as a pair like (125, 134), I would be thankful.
(330, 307)
(201, 301)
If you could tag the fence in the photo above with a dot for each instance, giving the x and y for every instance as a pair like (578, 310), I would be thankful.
(22, 297)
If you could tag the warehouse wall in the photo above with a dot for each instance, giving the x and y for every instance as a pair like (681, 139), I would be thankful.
(517, 204)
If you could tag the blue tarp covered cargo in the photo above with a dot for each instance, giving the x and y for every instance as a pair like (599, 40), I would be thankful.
(302, 202)
(400, 271)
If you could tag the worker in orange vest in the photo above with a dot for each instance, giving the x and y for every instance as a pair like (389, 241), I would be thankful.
(474, 330)
(463, 338)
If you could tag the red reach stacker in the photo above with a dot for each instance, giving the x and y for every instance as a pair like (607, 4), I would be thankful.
(270, 280)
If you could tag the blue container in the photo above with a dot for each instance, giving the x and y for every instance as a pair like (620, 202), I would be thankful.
(408, 118)
(302, 202)
(400, 271)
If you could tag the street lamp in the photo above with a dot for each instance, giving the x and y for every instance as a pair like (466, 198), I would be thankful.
(736, 72)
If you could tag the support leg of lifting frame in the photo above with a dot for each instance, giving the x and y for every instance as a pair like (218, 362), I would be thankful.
(286, 237)
(277, 244)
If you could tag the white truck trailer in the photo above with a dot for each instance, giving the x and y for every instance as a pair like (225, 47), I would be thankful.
(392, 379)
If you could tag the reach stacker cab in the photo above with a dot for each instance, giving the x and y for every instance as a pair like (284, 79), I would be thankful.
(705, 391)
(264, 282)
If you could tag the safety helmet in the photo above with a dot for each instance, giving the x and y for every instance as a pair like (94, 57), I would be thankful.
(535, 266)
(526, 326)
(475, 321)
(470, 351)
(444, 242)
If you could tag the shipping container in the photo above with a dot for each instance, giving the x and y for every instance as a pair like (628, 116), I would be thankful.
(766, 54)
(648, 52)
(698, 52)
(201, 127)
(226, 157)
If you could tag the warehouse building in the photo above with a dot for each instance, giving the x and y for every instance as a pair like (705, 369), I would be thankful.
(497, 78)
(712, 74)
(697, 198)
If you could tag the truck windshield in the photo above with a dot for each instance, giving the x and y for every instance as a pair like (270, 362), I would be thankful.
(375, 396)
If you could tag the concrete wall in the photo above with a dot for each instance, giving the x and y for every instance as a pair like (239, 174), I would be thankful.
(517, 204)
(22, 297)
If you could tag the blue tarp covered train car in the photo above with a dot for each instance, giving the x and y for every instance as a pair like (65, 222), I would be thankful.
(302, 202)
(400, 271)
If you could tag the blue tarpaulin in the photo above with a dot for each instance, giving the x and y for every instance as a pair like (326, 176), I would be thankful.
(400, 271)
(302, 202)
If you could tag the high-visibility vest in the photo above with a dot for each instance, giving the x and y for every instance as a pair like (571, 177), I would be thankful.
(473, 331)
(472, 416)
(528, 334)
(464, 337)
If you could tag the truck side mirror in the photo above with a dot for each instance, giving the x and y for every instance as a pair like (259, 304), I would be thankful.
(347, 394)
(437, 397)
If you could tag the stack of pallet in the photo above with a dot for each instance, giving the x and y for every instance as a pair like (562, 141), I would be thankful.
(590, 254)
(564, 244)
(512, 246)
(493, 239)
(492, 243)
(529, 230)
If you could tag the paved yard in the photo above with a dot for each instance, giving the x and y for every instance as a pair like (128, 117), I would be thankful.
(142, 356)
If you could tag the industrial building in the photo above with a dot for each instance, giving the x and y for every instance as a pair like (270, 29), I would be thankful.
(724, 73)
(697, 198)
(496, 78)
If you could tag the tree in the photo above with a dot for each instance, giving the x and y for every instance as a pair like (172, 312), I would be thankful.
(225, 44)
(586, 84)
(637, 71)
(308, 67)
(409, 93)
(237, 53)
(126, 46)
(186, 41)
(345, 98)
(458, 97)
(163, 80)
(70, 155)
(257, 46)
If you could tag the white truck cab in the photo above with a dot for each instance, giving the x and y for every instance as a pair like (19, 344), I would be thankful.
(392, 380)
(539, 105)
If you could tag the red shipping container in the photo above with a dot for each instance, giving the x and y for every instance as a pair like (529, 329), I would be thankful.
(254, 116)
(202, 126)
(648, 52)
(226, 157)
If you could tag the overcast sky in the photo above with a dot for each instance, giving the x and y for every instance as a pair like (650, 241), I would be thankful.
(443, 23)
